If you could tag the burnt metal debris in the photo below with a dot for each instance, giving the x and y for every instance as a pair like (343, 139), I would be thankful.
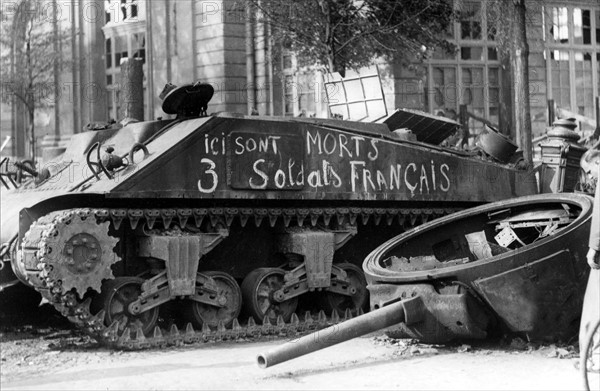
(514, 266)
(227, 214)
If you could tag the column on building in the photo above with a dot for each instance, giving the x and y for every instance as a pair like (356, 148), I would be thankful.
(220, 53)
(92, 69)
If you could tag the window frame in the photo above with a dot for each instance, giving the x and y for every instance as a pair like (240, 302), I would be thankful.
(485, 43)
(318, 92)
(572, 49)
(124, 31)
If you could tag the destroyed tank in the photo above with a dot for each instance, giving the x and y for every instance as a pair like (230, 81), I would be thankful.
(511, 267)
(202, 218)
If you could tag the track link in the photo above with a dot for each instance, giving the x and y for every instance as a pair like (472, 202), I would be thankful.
(34, 259)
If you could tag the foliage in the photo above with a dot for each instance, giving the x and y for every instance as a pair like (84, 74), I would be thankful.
(339, 34)
(27, 39)
(28, 56)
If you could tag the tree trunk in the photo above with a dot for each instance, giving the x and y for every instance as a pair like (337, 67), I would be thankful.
(520, 66)
(331, 63)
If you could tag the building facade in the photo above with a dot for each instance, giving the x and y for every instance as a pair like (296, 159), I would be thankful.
(78, 96)
(209, 41)
(182, 41)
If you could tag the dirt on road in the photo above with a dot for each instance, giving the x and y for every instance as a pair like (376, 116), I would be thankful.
(41, 351)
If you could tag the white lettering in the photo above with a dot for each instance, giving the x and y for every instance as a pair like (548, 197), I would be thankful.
(240, 149)
(374, 154)
(280, 179)
(381, 183)
(395, 173)
(424, 179)
(210, 171)
(343, 146)
(333, 143)
(261, 174)
(411, 187)
(354, 174)
(314, 179)
(316, 140)
(445, 169)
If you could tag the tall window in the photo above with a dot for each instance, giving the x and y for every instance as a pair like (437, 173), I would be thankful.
(289, 90)
(125, 33)
(471, 76)
(572, 39)
(302, 92)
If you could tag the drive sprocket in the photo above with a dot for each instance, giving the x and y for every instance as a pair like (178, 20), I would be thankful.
(77, 251)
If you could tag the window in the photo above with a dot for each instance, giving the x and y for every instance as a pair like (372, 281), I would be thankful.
(574, 70)
(288, 67)
(139, 46)
(109, 53)
(472, 76)
(582, 26)
(559, 30)
(306, 94)
(597, 22)
(444, 88)
(120, 49)
(125, 38)
(289, 98)
(470, 25)
(471, 53)
(561, 90)
(584, 86)
(494, 94)
(120, 11)
(441, 54)
(473, 91)
(302, 92)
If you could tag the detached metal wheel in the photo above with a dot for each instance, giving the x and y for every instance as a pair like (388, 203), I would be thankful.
(228, 290)
(116, 296)
(258, 289)
(589, 364)
(358, 284)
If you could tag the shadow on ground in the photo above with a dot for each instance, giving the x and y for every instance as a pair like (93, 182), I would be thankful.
(22, 317)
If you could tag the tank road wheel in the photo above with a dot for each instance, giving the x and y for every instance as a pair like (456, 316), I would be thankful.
(200, 313)
(340, 303)
(257, 290)
(115, 298)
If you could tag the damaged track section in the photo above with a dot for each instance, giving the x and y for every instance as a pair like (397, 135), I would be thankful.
(84, 262)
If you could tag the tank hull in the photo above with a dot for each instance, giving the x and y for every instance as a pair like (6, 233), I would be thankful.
(235, 205)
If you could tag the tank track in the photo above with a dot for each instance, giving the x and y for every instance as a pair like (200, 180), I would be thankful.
(41, 232)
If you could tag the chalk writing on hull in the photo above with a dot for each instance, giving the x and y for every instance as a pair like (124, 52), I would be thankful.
(317, 160)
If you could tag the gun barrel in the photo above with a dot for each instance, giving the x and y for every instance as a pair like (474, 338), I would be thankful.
(376, 320)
